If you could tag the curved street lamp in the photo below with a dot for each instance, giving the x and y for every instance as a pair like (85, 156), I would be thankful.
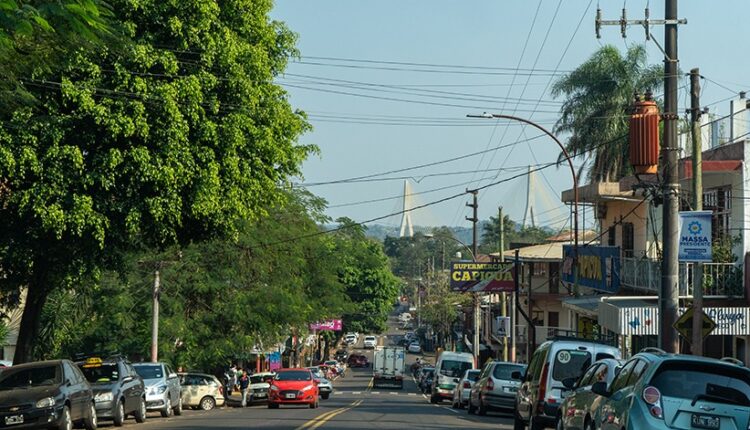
(433, 236)
(567, 157)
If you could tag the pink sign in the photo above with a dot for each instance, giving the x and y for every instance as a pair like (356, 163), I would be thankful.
(330, 325)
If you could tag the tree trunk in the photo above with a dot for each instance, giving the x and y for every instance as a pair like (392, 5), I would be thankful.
(36, 297)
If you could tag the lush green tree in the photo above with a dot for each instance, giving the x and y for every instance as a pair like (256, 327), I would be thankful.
(440, 307)
(597, 95)
(174, 137)
(513, 234)
(366, 274)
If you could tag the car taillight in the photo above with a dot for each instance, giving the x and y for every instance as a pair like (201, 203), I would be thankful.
(543, 386)
(652, 397)
(467, 385)
(221, 390)
(490, 385)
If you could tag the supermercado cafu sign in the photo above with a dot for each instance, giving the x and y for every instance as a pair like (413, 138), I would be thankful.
(598, 267)
(465, 275)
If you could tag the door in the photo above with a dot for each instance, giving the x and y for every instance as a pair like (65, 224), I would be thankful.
(80, 391)
(173, 382)
(129, 388)
(581, 398)
(616, 409)
(527, 392)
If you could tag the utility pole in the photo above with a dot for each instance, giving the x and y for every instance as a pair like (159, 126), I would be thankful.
(503, 295)
(155, 317)
(474, 249)
(668, 295)
(697, 183)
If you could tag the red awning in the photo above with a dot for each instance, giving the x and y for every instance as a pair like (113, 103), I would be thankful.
(710, 166)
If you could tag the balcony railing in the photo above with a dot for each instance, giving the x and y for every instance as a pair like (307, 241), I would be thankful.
(719, 279)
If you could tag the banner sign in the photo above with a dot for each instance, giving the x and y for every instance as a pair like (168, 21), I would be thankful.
(274, 361)
(465, 275)
(329, 325)
(501, 326)
(598, 267)
(695, 237)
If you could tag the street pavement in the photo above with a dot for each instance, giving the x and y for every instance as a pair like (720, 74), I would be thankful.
(355, 404)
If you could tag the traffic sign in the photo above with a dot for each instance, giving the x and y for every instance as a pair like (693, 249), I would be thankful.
(684, 324)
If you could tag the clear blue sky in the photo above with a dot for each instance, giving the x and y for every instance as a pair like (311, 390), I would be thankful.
(364, 135)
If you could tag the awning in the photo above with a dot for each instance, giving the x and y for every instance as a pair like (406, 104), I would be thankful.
(587, 305)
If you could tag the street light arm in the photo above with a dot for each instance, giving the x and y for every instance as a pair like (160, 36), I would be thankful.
(457, 241)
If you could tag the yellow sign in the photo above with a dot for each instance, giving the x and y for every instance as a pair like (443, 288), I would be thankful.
(684, 324)
(92, 362)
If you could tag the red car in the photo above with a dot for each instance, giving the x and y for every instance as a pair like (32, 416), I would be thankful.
(293, 387)
(357, 360)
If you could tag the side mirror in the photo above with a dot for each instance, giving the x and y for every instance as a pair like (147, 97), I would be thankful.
(516, 375)
(569, 383)
(600, 388)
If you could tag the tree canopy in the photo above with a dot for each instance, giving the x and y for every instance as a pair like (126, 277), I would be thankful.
(597, 96)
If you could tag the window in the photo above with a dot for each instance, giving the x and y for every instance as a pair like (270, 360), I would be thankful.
(553, 319)
(504, 371)
(554, 278)
(570, 363)
(150, 371)
(719, 200)
(587, 378)
(628, 239)
(537, 317)
(685, 380)
(535, 366)
(612, 236)
(621, 380)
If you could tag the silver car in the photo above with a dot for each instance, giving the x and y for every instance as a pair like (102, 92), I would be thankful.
(463, 388)
(580, 401)
(162, 388)
(496, 388)
(325, 387)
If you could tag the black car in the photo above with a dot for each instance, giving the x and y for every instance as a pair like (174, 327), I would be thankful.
(342, 355)
(46, 394)
(118, 390)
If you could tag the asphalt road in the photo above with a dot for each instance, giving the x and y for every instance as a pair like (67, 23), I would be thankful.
(354, 405)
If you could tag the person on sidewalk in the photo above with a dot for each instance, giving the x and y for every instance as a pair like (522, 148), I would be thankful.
(244, 384)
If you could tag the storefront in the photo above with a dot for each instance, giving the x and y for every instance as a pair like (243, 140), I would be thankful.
(636, 322)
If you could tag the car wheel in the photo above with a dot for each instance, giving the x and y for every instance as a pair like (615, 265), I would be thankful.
(167, 411)
(533, 425)
(518, 423)
(314, 405)
(178, 408)
(434, 399)
(589, 425)
(559, 425)
(90, 422)
(119, 414)
(208, 403)
(325, 396)
(65, 423)
(273, 405)
(140, 413)
(481, 409)
(470, 408)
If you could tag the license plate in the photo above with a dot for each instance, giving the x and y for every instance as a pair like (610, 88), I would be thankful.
(511, 389)
(260, 394)
(291, 396)
(705, 421)
(13, 419)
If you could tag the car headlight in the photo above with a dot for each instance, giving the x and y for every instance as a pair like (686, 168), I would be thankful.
(273, 388)
(159, 390)
(103, 397)
(46, 402)
(309, 387)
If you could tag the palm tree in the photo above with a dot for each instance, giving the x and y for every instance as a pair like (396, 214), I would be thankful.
(598, 94)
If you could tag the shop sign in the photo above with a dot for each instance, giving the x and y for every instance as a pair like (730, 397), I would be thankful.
(467, 274)
(330, 325)
(598, 267)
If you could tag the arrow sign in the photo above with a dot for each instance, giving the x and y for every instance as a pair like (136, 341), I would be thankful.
(684, 324)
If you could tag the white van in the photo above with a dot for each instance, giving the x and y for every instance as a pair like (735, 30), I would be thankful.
(450, 367)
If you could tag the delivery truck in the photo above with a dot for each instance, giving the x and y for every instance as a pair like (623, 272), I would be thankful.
(388, 367)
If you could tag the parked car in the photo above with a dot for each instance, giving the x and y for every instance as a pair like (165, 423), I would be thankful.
(495, 390)
(342, 355)
(463, 389)
(370, 342)
(357, 360)
(118, 390)
(201, 391)
(540, 393)
(449, 367)
(325, 387)
(46, 394)
(350, 338)
(655, 390)
(259, 384)
(293, 387)
(576, 410)
(415, 347)
(162, 388)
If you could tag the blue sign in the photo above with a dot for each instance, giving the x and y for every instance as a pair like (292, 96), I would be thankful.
(695, 236)
(598, 267)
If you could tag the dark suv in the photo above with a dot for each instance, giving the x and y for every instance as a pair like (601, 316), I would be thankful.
(46, 394)
(118, 390)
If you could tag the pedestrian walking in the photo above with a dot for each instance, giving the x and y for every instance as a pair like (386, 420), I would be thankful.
(244, 384)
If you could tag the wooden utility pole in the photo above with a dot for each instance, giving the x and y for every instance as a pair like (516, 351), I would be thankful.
(697, 183)
(474, 249)
(503, 295)
(156, 293)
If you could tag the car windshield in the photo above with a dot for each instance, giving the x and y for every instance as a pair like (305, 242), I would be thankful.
(149, 371)
(505, 371)
(716, 382)
(294, 375)
(103, 373)
(570, 363)
(258, 379)
(454, 368)
(28, 377)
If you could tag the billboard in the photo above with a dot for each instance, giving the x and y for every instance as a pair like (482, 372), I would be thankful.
(488, 277)
(329, 325)
(695, 236)
(598, 267)
(274, 361)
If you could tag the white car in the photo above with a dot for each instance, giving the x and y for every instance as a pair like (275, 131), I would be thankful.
(350, 338)
(415, 347)
(371, 342)
(259, 385)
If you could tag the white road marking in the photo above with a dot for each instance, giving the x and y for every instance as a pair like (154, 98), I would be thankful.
(450, 409)
(375, 392)
(394, 393)
(356, 392)
(411, 394)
